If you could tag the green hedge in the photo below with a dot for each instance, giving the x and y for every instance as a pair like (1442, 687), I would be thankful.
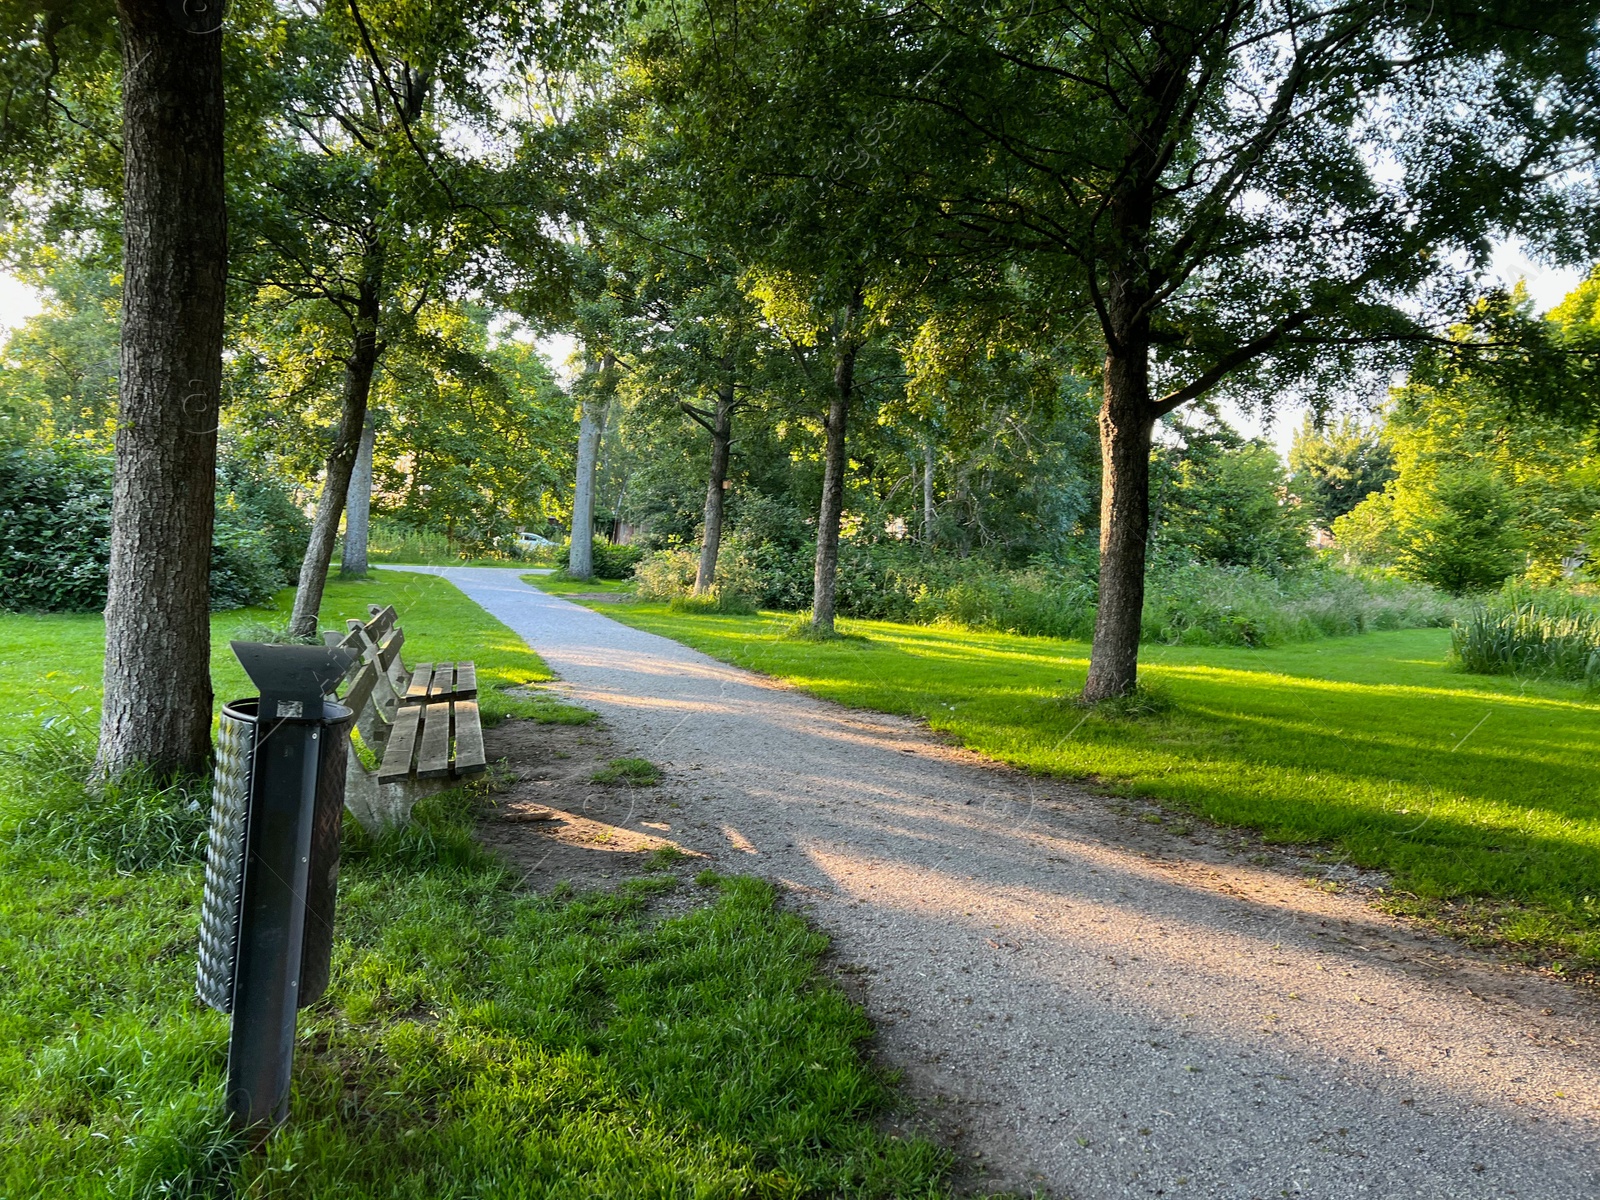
(610, 562)
(55, 531)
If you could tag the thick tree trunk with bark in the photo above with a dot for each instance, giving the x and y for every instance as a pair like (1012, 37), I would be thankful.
(591, 431)
(157, 708)
(1126, 423)
(358, 372)
(716, 489)
(834, 463)
(358, 507)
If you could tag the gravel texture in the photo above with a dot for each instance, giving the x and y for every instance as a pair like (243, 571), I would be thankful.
(1084, 1003)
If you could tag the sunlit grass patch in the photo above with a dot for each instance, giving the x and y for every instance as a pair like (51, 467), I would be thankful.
(562, 585)
(632, 772)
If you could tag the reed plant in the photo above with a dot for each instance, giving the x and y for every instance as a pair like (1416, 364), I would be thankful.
(1548, 633)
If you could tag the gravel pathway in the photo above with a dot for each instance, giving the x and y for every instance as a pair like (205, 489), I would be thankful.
(1089, 1005)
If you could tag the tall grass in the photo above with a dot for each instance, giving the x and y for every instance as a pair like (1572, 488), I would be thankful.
(133, 823)
(1549, 633)
(1194, 605)
(1186, 604)
(1202, 605)
(394, 542)
(388, 541)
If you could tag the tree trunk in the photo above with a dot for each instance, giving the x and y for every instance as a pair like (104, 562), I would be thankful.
(358, 371)
(358, 507)
(591, 429)
(1126, 422)
(927, 492)
(721, 439)
(834, 463)
(157, 708)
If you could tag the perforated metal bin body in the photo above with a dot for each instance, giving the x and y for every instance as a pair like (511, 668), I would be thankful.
(230, 803)
(225, 854)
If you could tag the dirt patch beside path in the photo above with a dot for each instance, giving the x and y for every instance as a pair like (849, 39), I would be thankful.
(557, 825)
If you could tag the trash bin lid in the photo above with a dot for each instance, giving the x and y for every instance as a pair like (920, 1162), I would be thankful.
(293, 674)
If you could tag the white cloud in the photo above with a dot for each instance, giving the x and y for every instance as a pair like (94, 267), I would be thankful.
(1547, 285)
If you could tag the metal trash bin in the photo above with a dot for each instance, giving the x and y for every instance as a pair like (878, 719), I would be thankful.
(272, 865)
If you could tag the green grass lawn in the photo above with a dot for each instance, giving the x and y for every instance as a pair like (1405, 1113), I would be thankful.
(577, 587)
(1479, 795)
(54, 659)
(476, 1040)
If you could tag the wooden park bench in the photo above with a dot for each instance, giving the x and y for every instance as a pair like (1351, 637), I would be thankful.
(422, 725)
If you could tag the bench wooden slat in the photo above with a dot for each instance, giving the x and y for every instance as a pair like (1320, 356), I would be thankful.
(433, 760)
(360, 689)
(469, 739)
(402, 741)
(444, 681)
(383, 620)
(437, 727)
(418, 689)
(391, 650)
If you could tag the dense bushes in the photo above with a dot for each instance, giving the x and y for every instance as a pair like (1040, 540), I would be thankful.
(55, 528)
(1547, 632)
(611, 562)
(1186, 603)
(249, 500)
(55, 531)
(1225, 500)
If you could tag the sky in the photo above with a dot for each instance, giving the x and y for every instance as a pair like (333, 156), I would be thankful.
(1547, 285)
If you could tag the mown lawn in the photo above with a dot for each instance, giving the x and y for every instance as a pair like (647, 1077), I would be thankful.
(1479, 796)
(54, 660)
(476, 1041)
(577, 587)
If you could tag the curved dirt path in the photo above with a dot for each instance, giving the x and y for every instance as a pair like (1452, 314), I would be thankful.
(1087, 1005)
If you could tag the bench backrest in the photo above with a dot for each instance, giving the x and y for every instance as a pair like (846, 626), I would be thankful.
(377, 678)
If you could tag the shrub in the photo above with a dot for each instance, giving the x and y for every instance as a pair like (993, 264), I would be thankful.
(245, 568)
(249, 499)
(1226, 501)
(55, 528)
(55, 532)
(666, 574)
(610, 562)
(1549, 632)
(768, 574)
(1468, 540)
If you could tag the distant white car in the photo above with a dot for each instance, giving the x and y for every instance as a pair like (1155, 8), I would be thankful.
(532, 541)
